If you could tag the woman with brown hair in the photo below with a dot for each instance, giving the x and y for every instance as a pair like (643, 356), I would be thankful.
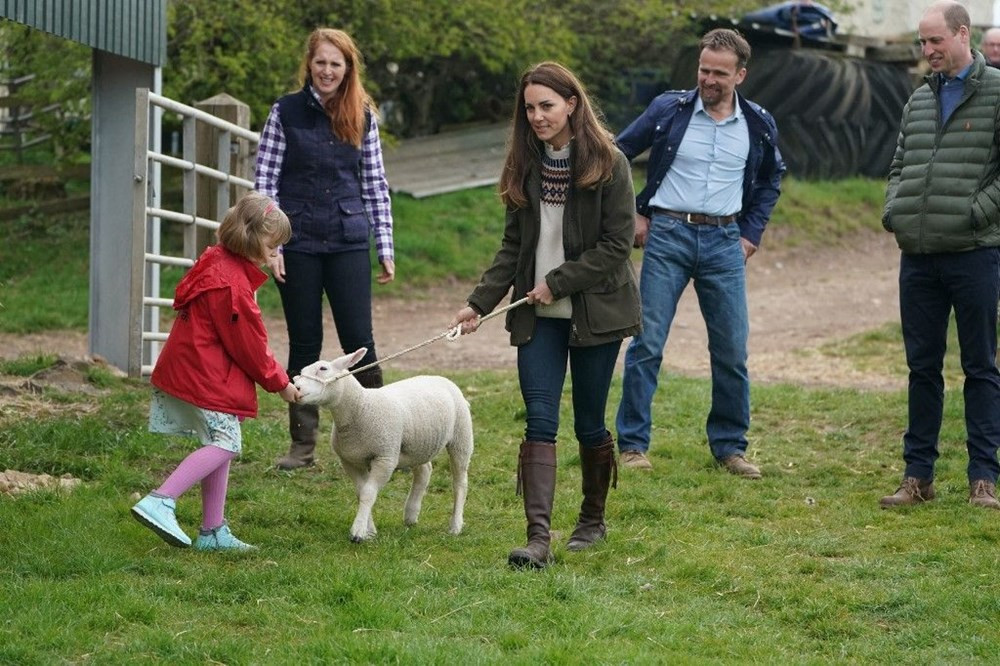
(320, 158)
(566, 244)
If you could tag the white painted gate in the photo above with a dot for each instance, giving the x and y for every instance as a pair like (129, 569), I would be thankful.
(154, 228)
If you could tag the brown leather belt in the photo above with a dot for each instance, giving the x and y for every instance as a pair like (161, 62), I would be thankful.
(696, 218)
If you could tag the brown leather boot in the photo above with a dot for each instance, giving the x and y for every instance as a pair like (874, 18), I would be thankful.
(370, 378)
(303, 425)
(536, 477)
(599, 471)
(911, 491)
(983, 493)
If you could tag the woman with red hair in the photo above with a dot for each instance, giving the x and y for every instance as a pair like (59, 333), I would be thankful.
(320, 158)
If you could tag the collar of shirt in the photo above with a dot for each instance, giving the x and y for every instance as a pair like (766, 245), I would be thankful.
(319, 100)
(961, 76)
(699, 107)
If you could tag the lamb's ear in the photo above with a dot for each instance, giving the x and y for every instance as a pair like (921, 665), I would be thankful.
(344, 362)
(357, 356)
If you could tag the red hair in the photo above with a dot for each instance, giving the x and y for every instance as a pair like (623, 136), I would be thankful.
(346, 108)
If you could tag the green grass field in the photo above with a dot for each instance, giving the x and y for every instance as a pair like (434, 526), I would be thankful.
(699, 567)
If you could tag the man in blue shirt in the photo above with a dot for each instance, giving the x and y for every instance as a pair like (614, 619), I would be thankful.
(713, 178)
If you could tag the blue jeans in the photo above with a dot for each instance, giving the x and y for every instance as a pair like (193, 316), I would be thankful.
(930, 285)
(541, 369)
(677, 253)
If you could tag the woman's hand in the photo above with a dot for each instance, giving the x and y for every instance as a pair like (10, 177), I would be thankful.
(388, 272)
(290, 393)
(468, 318)
(540, 294)
(276, 264)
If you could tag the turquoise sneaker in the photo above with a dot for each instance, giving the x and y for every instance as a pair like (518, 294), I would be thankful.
(157, 513)
(220, 538)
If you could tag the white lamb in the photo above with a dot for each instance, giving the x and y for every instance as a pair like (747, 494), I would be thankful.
(403, 424)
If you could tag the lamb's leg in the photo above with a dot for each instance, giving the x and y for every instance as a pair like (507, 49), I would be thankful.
(421, 477)
(379, 472)
(460, 454)
(359, 475)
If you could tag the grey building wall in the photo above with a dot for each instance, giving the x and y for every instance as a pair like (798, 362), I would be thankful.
(892, 18)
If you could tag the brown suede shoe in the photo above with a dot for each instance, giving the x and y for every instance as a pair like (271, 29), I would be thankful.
(983, 493)
(911, 491)
(635, 460)
(738, 465)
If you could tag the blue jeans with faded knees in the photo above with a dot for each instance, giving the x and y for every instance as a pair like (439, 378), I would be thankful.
(541, 369)
(930, 286)
(677, 253)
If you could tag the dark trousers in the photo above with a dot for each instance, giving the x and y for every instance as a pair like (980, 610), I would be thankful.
(541, 369)
(346, 279)
(930, 286)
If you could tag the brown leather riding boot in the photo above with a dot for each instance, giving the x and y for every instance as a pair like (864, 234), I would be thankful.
(303, 426)
(599, 471)
(536, 478)
(370, 378)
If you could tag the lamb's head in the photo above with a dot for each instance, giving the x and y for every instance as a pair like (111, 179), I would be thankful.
(319, 382)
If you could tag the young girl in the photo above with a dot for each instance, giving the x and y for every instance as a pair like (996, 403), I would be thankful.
(566, 244)
(204, 379)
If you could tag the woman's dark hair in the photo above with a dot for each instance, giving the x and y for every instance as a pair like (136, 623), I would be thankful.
(593, 149)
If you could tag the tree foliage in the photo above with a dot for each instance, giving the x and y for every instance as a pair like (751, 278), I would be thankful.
(430, 63)
(55, 91)
(434, 63)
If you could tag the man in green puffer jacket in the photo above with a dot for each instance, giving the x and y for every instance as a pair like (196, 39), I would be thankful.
(943, 205)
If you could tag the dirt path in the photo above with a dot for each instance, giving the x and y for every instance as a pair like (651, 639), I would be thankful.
(799, 301)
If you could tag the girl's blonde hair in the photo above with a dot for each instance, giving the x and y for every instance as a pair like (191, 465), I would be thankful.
(593, 149)
(254, 225)
(347, 107)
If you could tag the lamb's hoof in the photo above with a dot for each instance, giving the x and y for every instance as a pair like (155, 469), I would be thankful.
(361, 538)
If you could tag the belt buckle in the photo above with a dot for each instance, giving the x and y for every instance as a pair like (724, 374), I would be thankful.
(688, 216)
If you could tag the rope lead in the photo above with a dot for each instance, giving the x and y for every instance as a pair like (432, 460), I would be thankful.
(452, 334)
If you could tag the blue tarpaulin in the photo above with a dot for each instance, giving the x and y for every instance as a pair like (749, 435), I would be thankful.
(806, 19)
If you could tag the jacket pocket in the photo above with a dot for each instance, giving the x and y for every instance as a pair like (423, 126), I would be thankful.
(613, 304)
(353, 220)
(300, 217)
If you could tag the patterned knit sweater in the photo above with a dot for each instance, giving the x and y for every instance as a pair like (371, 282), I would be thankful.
(549, 252)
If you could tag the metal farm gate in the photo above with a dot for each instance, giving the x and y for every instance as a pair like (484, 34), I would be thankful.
(168, 239)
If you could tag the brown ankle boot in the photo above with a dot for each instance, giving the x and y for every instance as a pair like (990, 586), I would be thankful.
(536, 477)
(370, 378)
(983, 493)
(911, 491)
(303, 426)
(599, 471)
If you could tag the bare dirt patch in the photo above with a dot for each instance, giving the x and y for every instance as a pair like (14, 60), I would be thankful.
(800, 300)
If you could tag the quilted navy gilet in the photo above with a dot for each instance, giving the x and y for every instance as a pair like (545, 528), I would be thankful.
(320, 184)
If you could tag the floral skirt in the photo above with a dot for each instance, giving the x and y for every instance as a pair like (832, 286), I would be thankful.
(171, 416)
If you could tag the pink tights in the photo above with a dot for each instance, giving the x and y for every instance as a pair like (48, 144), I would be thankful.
(210, 465)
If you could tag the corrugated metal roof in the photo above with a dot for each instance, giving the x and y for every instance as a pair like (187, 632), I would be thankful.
(134, 29)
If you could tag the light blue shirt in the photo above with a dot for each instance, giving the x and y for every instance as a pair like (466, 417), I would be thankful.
(707, 174)
(950, 92)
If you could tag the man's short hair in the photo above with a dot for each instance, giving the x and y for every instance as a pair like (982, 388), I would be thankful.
(725, 39)
(955, 16)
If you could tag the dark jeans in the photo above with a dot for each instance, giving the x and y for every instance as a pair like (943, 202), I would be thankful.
(930, 285)
(541, 368)
(346, 278)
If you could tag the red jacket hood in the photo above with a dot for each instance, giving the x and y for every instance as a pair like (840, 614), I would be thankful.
(213, 270)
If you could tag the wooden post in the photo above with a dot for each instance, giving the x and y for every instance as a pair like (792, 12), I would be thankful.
(214, 198)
